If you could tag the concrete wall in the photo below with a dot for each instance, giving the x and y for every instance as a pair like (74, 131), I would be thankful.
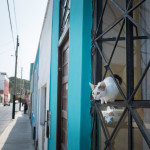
(4, 86)
(44, 68)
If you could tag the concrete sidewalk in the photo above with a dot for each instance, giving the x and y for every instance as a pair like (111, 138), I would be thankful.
(18, 134)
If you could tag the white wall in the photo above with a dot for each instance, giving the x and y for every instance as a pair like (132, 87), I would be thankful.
(44, 68)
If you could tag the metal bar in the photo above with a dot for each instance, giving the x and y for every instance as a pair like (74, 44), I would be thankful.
(129, 3)
(122, 38)
(140, 81)
(109, 28)
(100, 51)
(140, 104)
(121, 103)
(121, 92)
(100, 20)
(129, 69)
(137, 5)
(118, 123)
(64, 14)
(118, 6)
(98, 57)
(114, 48)
(66, 20)
(136, 24)
(145, 135)
(94, 128)
(136, 29)
(130, 133)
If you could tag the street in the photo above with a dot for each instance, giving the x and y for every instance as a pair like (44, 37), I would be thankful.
(6, 116)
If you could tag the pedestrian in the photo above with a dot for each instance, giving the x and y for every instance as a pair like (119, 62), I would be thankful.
(25, 107)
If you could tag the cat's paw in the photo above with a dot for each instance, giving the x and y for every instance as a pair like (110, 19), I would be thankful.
(102, 101)
(105, 101)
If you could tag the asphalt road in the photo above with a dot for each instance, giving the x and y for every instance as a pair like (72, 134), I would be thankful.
(6, 116)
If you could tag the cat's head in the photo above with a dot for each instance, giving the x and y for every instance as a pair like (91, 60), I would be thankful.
(99, 90)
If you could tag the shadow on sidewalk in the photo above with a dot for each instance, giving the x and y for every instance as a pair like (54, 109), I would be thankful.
(20, 137)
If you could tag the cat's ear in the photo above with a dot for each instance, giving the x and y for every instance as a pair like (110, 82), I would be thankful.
(102, 86)
(92, 86)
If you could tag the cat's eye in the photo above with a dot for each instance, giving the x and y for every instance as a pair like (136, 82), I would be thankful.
(98, 93)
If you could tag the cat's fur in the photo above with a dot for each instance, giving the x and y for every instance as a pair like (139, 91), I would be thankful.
(106, 90)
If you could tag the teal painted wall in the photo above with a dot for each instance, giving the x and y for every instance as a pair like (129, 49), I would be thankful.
(79, 121)
(53, 75)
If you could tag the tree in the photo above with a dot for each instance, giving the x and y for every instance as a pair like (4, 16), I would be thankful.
(24, 84)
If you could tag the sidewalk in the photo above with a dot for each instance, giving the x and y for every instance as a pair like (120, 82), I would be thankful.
(18, 134)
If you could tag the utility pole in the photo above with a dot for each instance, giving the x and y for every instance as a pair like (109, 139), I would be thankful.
(14, 96)
(20, 90)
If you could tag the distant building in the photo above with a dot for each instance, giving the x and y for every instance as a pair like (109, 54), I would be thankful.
(4, 88)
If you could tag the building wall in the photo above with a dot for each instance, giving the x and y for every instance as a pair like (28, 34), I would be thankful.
(6, 89)
(35, 93)
(79, 125)
(53, 75)
(44, 69)
(4, 86)
(2, 79)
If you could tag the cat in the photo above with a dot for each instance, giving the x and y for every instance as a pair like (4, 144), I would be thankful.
(106, 90)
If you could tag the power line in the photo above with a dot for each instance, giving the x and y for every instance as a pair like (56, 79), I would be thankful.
(15, 16)
(10, 23)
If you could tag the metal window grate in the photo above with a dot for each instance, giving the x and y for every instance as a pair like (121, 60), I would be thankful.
(64, 14)
(126, 20)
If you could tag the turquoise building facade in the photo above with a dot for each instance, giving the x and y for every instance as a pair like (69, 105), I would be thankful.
(79, 120)
(34, 105)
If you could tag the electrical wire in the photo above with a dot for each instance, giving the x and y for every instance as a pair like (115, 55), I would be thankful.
(15, 17)
(10, 24)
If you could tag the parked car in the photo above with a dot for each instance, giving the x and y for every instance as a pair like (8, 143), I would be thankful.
(6, 103)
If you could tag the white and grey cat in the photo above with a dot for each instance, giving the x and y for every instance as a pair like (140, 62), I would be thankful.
(106, 90)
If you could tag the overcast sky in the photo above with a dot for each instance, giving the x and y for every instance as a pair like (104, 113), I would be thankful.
(30, 16)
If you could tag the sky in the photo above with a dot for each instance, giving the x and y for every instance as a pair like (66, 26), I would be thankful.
(29, 17)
